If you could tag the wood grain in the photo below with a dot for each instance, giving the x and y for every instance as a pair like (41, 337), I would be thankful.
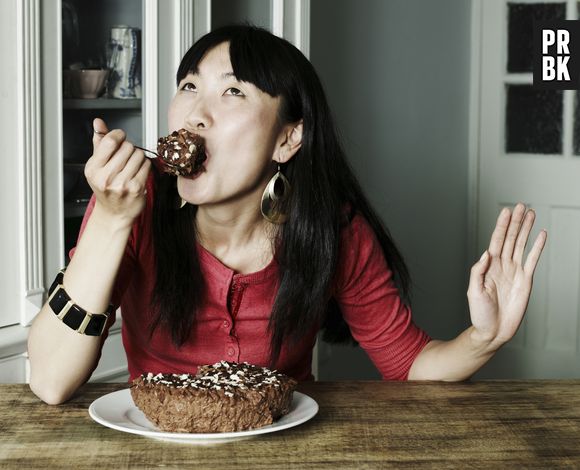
(360, 425)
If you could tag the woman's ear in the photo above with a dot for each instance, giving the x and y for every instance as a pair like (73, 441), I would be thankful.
(289, 142)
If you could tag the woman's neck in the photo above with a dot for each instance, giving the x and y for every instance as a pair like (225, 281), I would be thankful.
(239, 237)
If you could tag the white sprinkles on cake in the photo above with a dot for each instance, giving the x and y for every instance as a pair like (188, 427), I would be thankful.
(228, 376)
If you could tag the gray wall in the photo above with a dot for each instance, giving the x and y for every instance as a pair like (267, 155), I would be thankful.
(397, 77)
(225, 12)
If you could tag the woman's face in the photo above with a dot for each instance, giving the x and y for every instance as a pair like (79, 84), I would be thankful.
(240, 127)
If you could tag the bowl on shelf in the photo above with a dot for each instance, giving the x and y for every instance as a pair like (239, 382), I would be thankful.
(84, 83)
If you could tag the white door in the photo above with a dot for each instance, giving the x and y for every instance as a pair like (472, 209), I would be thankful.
(529, 151)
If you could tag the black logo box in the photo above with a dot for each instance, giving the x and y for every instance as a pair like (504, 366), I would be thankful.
(573, 28)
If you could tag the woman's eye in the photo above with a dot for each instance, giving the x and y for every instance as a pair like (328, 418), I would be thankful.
(234, 91)
(188, 87)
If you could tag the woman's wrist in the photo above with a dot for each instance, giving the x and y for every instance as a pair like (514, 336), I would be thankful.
(115, 222)
(481, 342)
(455, 359)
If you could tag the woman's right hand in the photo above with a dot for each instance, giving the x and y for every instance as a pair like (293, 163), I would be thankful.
(117, 173)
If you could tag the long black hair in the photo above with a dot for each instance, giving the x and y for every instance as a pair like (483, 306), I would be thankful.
(325, 196)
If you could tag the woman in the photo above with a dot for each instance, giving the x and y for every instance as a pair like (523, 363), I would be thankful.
(252, 267)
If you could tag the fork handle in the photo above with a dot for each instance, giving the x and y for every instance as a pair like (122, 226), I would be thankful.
(147, 150)
(136, 146)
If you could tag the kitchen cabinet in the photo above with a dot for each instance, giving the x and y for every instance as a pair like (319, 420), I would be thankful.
(51, 138)
(86, 42)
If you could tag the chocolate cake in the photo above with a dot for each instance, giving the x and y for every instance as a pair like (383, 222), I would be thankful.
(222, 397)
(182, 153)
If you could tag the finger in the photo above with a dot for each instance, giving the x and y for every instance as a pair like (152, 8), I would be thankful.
(118, 161)
(132, 166)
(513, 230)
(523, 236)
(498, 235)
(477, 276)
(107, 147)
(100, 130)
(136, 186)
(535, 252)
(143, 173)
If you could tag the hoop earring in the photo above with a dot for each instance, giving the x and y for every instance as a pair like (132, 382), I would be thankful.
(274, 196)
(180, 203)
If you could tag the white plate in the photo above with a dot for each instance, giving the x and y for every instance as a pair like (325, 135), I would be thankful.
(116, 410)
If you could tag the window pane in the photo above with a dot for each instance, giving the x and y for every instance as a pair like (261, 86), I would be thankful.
(533, 120)
(521, 18)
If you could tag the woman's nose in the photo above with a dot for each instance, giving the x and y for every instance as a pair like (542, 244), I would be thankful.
(199, 117)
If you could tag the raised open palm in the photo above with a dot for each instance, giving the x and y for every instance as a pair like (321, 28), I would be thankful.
(500, 285)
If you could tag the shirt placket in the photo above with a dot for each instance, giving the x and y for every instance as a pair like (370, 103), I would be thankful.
(236, 292)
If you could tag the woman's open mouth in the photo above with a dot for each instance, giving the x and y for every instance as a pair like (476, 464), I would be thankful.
(199, 169)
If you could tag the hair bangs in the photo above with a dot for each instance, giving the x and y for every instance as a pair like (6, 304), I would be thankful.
(255, 58)
(257, 61)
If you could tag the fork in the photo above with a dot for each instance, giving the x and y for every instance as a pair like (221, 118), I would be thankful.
(136, 146)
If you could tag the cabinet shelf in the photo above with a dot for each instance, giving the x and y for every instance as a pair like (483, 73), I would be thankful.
(102, 103)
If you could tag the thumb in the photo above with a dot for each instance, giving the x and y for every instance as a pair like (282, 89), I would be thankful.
(100, 130)
(476, 280)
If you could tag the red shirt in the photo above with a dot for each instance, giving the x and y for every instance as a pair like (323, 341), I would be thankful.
(365, 292)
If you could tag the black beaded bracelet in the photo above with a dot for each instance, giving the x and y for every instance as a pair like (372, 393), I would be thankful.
(83, 322)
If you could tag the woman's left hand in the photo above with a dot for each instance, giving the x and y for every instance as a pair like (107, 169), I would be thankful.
(499, 285)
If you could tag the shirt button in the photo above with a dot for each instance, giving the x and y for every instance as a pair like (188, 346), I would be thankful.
(226, 324)
(231, 351)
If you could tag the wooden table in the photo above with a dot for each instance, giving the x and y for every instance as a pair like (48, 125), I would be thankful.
(360, 425)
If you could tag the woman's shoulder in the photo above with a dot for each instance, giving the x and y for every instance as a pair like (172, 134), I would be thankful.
(360, 256)
(358, 242)
(355, 228)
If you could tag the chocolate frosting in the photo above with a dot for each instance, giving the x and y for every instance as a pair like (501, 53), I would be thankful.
(182, 153)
